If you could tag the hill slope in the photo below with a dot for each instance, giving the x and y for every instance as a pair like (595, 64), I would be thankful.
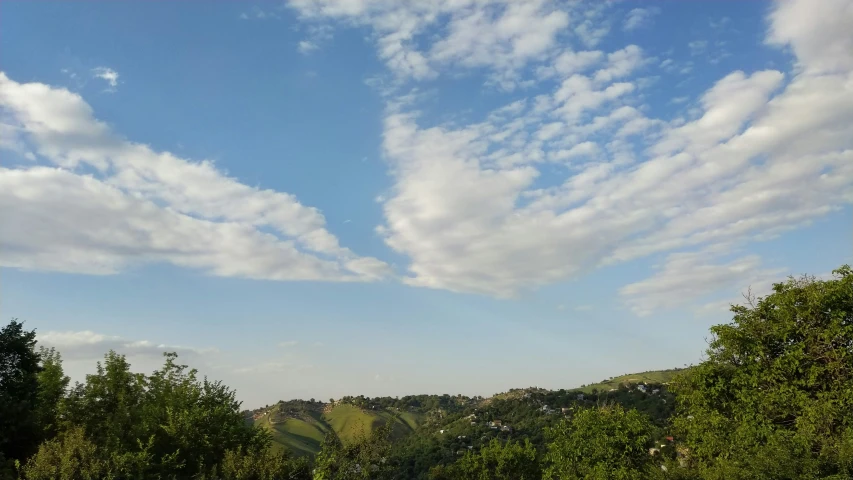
(301, 428)
(654, 376)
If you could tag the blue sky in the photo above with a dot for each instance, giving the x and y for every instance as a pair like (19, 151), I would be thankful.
(326, 197)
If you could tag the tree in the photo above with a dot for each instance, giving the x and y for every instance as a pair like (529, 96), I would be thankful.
(169, 423)
(364, 458)
(601, 443)
(495, 461)
(262, 464)
(52, 384)
(774, 399)
(71, 457)
(19, 390)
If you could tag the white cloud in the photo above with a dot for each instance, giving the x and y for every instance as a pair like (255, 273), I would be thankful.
(305, 47)
(418, 39)
(818, 32)
(108, 75)
(288, 344)
(142, 206)
(317, 36)
(766, 153)
(620, 64)
(686, 277)
(639, 18)
(88, 345)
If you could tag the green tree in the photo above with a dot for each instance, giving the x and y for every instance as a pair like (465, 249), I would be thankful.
(604, 443)
(495, 461)
(774, 399)
(52, 386)
(167, 424)
(263, 464)
(69, 457)
(364, 458)
(19, 390)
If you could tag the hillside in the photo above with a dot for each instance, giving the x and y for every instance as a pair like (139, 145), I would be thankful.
(654, 376)
(300, 426)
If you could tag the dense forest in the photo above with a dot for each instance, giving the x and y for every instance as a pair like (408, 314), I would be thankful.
(773, 399)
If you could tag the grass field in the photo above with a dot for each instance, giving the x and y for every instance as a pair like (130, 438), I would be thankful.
(656, 376)
(304, 436)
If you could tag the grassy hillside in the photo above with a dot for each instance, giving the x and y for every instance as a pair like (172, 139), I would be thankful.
(300, 426)
(303, 433)
(655, 376)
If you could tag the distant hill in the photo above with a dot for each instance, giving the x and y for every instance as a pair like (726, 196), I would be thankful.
(300, 426)
(654, 376)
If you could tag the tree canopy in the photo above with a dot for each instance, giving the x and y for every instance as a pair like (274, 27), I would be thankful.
(774, 398)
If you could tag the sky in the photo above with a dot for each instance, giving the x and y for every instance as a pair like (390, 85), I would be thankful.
(320, 198)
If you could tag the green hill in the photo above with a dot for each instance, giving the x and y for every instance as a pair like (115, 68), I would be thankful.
(302, 429)
(300, 426)
(654, 376)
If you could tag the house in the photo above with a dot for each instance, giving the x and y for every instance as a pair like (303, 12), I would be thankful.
(669, 439)
(655, 391)
(565, 410)
(580, 396)
(495, 423)
(506, 428)
(641, 388)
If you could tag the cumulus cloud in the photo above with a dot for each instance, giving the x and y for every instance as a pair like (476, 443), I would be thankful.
(105, 204)
(767, 152)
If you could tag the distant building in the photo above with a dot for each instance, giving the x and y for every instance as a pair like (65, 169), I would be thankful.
(641, 388)
(506, 428)
(565, 410)
(580, 396)
(655, 391)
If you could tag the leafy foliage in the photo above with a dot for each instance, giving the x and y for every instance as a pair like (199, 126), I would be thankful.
(362, 459)
(495, 461)
(599, 444)
(774, 399)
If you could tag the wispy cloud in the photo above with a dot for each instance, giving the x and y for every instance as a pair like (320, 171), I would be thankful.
(258, 13)
(88, 345)
(639, 18)
(697, 47)
(288, 343)
(108, 75)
